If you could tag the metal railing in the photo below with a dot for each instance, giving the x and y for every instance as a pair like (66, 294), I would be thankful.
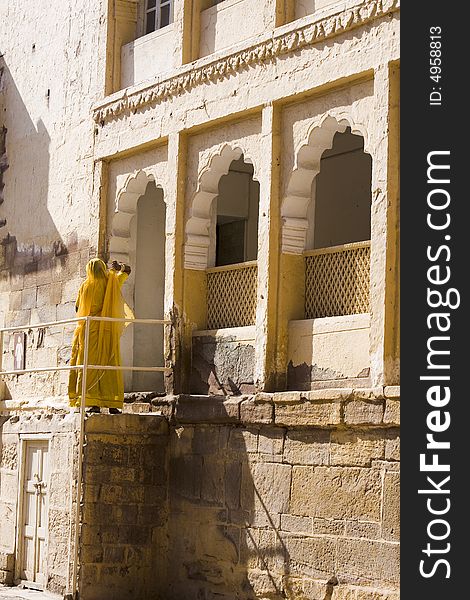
(231, 295)
(337, 280)
(84, 367)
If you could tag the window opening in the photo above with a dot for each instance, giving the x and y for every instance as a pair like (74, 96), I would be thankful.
(237, 216)
(158, 14)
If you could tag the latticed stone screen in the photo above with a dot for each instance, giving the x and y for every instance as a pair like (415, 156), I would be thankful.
(337, 281)
(231, 295)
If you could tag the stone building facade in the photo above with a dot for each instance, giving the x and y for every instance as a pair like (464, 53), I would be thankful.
(242, 156)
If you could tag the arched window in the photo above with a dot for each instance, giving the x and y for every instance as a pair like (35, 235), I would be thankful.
(138, 238)
(337, 263)
(148, 230)
(237, 207)
(341, 194)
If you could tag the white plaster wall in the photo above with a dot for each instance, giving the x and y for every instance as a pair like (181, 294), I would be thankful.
(312, 70)
(148, 56)
(323, 64)
(336, 345)
(54, 72)
(230, 22)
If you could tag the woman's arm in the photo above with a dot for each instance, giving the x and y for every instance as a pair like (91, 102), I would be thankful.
(121, 267)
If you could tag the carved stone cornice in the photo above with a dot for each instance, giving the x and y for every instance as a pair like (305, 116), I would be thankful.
(221, 68)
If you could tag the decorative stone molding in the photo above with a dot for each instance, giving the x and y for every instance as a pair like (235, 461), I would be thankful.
(307, 166)
(198, 225)
(280, 44)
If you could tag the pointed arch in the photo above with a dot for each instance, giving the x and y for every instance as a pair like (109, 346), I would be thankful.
(125, 208)
(294, 207)
(198, 223)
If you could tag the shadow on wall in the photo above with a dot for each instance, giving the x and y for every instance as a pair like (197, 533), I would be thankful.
(225, 506)
(211, 504)
(29, 239)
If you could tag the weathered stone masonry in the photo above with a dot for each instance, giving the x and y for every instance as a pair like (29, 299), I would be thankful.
(61, 431)
(237, 493)
(267, 496)
(124, 517)
(291, 495)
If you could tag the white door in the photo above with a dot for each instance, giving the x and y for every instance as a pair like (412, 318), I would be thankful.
(35, 497)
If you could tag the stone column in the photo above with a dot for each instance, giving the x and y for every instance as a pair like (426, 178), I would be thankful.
(268, 249)
(177, 340)
(392, 276)
(384, 232)
(99, 203)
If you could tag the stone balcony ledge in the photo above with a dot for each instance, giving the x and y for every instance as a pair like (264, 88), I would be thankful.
(325, 408)
(373, 407)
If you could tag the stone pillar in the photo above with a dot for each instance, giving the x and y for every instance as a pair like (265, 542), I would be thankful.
(290, 306)
(268, 249)
(99, 203)
(122, 21)
(392, 277)
(384, 232)
(177, 340)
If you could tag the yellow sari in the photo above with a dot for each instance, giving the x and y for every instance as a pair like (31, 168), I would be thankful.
(99, 295)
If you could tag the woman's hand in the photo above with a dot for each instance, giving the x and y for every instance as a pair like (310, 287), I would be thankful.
(120, 267)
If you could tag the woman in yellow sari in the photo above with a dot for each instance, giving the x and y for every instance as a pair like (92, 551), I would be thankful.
(100, 295)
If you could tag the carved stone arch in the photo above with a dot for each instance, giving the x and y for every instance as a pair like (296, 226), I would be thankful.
(122, 245)
(125, 208)
(294, 207)
(199, 213)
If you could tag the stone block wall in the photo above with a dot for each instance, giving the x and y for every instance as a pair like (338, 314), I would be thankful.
(287, 495)
(60, 430)
(7, 563)
(124, 516)
(42, 290)
(291, 495)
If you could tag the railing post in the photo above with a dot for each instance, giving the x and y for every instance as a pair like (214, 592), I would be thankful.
(75, 591)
